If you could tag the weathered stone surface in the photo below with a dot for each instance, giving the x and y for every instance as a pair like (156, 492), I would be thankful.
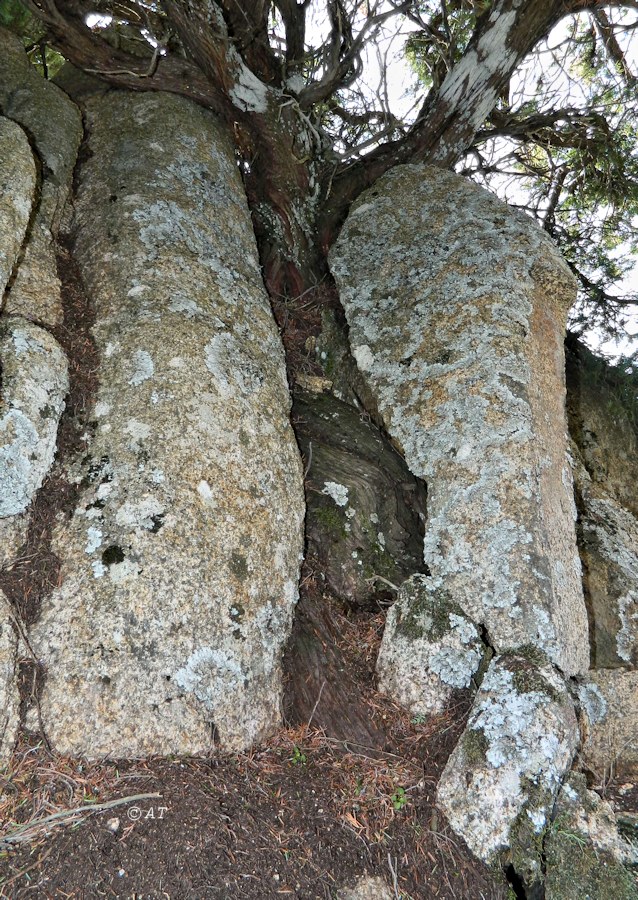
(180, 564)
(9, 697)
(456, 307)
(54, 126)
(367, 888)
(609, 551)
(602, 422)
(34, 385)
(585, 855)
(17, 184)
(609, 723)
(500, 782)
(365, 509)
(429, 649)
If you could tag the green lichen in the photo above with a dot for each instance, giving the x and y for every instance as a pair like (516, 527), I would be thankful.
(524, 663)
(428, 613)
(526, 850)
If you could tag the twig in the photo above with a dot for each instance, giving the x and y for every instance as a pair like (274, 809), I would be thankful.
(395, 880)
(314, 708)
(22, 633)
(374, 578)
(30, 829)
(309, 463)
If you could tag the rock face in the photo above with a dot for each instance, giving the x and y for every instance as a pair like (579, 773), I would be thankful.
(609, 723)
(585, 856)
(456, 307)
(605, 437)
(603, 425)
(54, 125)
(34, 385)
(365, 510)
(9, 697)
(500, 783)
(180, 563)
(17, 196)
(429, 648)
(609, 550)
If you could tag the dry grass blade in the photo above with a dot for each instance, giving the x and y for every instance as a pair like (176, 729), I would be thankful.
(34, 828)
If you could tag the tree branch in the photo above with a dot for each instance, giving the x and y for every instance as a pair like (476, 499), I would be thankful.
(69, 34)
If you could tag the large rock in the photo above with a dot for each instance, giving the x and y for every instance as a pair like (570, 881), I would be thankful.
(9, 695)
(17, 195)
(456, 306)
(605, 439)
(366, 888)
(585, 857)
(500, 782)
(54, 125)
(609, 723)
(601, 409)
(181, 561)
(430, 648)
(609, 550)
(34, 385)
(365, 509)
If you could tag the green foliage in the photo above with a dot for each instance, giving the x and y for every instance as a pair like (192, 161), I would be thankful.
(399, 799)
(561, 144)
(298, 757)
(17, 18)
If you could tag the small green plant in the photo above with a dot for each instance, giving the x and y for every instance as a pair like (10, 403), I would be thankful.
(298, 757)
(399, 798)
(419, 720)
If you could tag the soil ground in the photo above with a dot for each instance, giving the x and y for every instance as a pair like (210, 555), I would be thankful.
(300, 817)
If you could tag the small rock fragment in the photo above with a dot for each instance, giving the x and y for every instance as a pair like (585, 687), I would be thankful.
(429, 647)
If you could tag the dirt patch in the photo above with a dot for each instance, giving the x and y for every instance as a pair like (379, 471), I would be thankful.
(300, 817)
(299, 323)
(297, 818)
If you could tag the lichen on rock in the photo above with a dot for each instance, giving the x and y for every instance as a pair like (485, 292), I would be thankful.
(608, 700)
(456, 307)
(34, 385)
(9, 695)
(365, 509)
(585, 855)
(54, 126)
(500, 782)
(429, 649)
(181, 561)
(19, 179)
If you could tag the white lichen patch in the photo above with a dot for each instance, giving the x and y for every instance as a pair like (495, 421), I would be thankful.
(248, 93)
(456, 308)
(429, 648)
(518, 744)
(338, 492)
(35, 383)
(142, 367)
(93, 540)
(196, 481)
